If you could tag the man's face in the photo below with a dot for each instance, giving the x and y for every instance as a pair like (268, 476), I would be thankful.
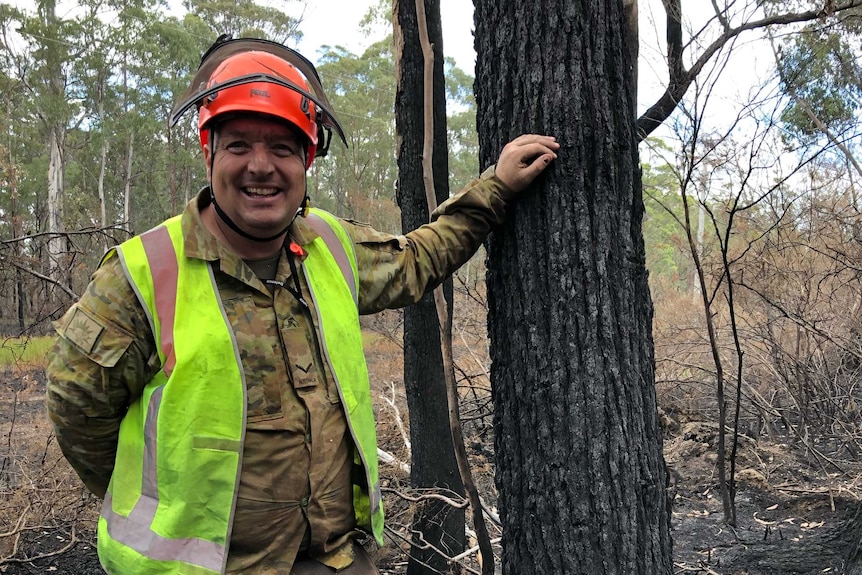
(258, 173)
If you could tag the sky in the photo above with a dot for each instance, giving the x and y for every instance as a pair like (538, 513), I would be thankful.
(748, 63)
(336, 22)
(320, 27)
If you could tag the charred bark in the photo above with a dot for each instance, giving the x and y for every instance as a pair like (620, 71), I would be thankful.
(580, 472)
(433, 458)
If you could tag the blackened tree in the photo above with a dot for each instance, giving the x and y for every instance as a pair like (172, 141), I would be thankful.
(436, 524)
(580, 472)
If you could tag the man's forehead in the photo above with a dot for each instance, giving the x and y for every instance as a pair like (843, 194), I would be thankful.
(249, 123)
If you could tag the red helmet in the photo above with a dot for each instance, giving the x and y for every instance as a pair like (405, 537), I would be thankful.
(262, 97)
(253, 75)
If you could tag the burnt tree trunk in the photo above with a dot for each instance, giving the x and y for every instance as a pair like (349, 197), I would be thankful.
(433, 460)
(580, 472)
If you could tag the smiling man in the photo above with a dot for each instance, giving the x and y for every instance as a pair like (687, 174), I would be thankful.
(210, 384)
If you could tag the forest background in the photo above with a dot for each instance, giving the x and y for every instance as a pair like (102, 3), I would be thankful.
(752, 232)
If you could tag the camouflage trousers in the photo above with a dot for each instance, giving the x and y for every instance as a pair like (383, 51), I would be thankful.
(362, 565)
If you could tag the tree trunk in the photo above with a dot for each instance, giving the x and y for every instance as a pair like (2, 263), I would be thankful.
(103, 203)
(17, 247)
(172, 176)
(433, 458)
(127, 185)
(580, 472)
(56, 141)
(57, 244)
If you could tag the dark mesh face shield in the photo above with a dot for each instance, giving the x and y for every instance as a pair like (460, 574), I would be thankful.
(224, 47)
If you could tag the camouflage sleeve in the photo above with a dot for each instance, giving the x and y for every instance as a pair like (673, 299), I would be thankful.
(102, 359)
(395, 271)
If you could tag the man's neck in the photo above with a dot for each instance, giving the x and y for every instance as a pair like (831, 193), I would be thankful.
(243, 247)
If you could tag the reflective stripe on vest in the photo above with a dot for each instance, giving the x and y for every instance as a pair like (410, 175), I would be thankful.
(351, 377)
(170, 503)
(328, 228)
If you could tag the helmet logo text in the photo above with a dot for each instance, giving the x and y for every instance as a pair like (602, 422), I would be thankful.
(261, 93)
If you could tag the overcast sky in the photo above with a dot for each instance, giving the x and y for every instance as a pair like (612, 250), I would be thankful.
(336, 22)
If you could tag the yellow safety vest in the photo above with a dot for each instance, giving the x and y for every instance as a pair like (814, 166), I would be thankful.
(169, 506)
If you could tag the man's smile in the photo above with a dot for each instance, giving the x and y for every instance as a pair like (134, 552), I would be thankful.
(260, 192)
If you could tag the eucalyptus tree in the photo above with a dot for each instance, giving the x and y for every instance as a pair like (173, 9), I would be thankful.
(182, 41)
(359, 181)
(13, 210)
(423, 180)
(119, 166)
(38, 49)
(463, 140)
(580, 472)
(248, 18)
(163, 166)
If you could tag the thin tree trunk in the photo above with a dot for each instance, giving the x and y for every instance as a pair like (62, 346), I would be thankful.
(433, 458)
(103, 204)
(18, 252)
(172, 176)
(57, 244)
(695, 282)
(56, 141)
(127, 184)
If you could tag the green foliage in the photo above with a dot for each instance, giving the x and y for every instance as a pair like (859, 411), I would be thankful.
(461, 125)
(359, 181)
(668, 257)
(820, 67)
(245, 18)
(106, 74)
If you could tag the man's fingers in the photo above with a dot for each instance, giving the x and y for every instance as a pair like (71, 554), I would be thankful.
(524, 158)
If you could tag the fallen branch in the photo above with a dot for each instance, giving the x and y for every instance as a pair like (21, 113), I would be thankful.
(425, 545)
(72, 541)
(463, 503)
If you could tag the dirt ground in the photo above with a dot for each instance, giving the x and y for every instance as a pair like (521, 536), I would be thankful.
(792, 513)
(792, 508)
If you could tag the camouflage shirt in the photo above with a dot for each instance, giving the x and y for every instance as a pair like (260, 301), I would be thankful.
(295, 491)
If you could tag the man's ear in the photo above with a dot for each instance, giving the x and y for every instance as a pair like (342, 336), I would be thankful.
(208, 151)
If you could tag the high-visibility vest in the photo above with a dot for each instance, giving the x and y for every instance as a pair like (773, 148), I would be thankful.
(169, 506)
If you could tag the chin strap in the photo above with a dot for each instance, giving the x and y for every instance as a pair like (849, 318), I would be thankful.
(232, 225)
(303, 211)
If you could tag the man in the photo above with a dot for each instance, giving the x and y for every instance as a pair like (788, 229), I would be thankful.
(210, 384)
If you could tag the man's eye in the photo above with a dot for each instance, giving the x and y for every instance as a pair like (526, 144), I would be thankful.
(283, 150)
(236, 146)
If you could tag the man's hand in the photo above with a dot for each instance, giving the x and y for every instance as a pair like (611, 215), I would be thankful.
(524, 158)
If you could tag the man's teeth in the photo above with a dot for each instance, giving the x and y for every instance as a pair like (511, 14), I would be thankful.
(261, 191)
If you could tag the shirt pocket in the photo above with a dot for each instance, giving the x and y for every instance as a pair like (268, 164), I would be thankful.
(97, 339)
(260, 353)
(100, 342)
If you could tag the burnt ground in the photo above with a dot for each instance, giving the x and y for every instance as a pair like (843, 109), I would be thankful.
(793, 510)
(794, 515)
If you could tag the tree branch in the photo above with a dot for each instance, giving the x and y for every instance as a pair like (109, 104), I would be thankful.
(681, 79)
(42, 277)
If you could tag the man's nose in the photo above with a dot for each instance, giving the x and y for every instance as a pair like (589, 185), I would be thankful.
(260, 161)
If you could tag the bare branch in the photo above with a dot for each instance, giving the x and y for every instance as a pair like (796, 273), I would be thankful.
(681, 79)
(42, 277)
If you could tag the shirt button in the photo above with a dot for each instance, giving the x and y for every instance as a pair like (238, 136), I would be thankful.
(304, 502)
(308, 438)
